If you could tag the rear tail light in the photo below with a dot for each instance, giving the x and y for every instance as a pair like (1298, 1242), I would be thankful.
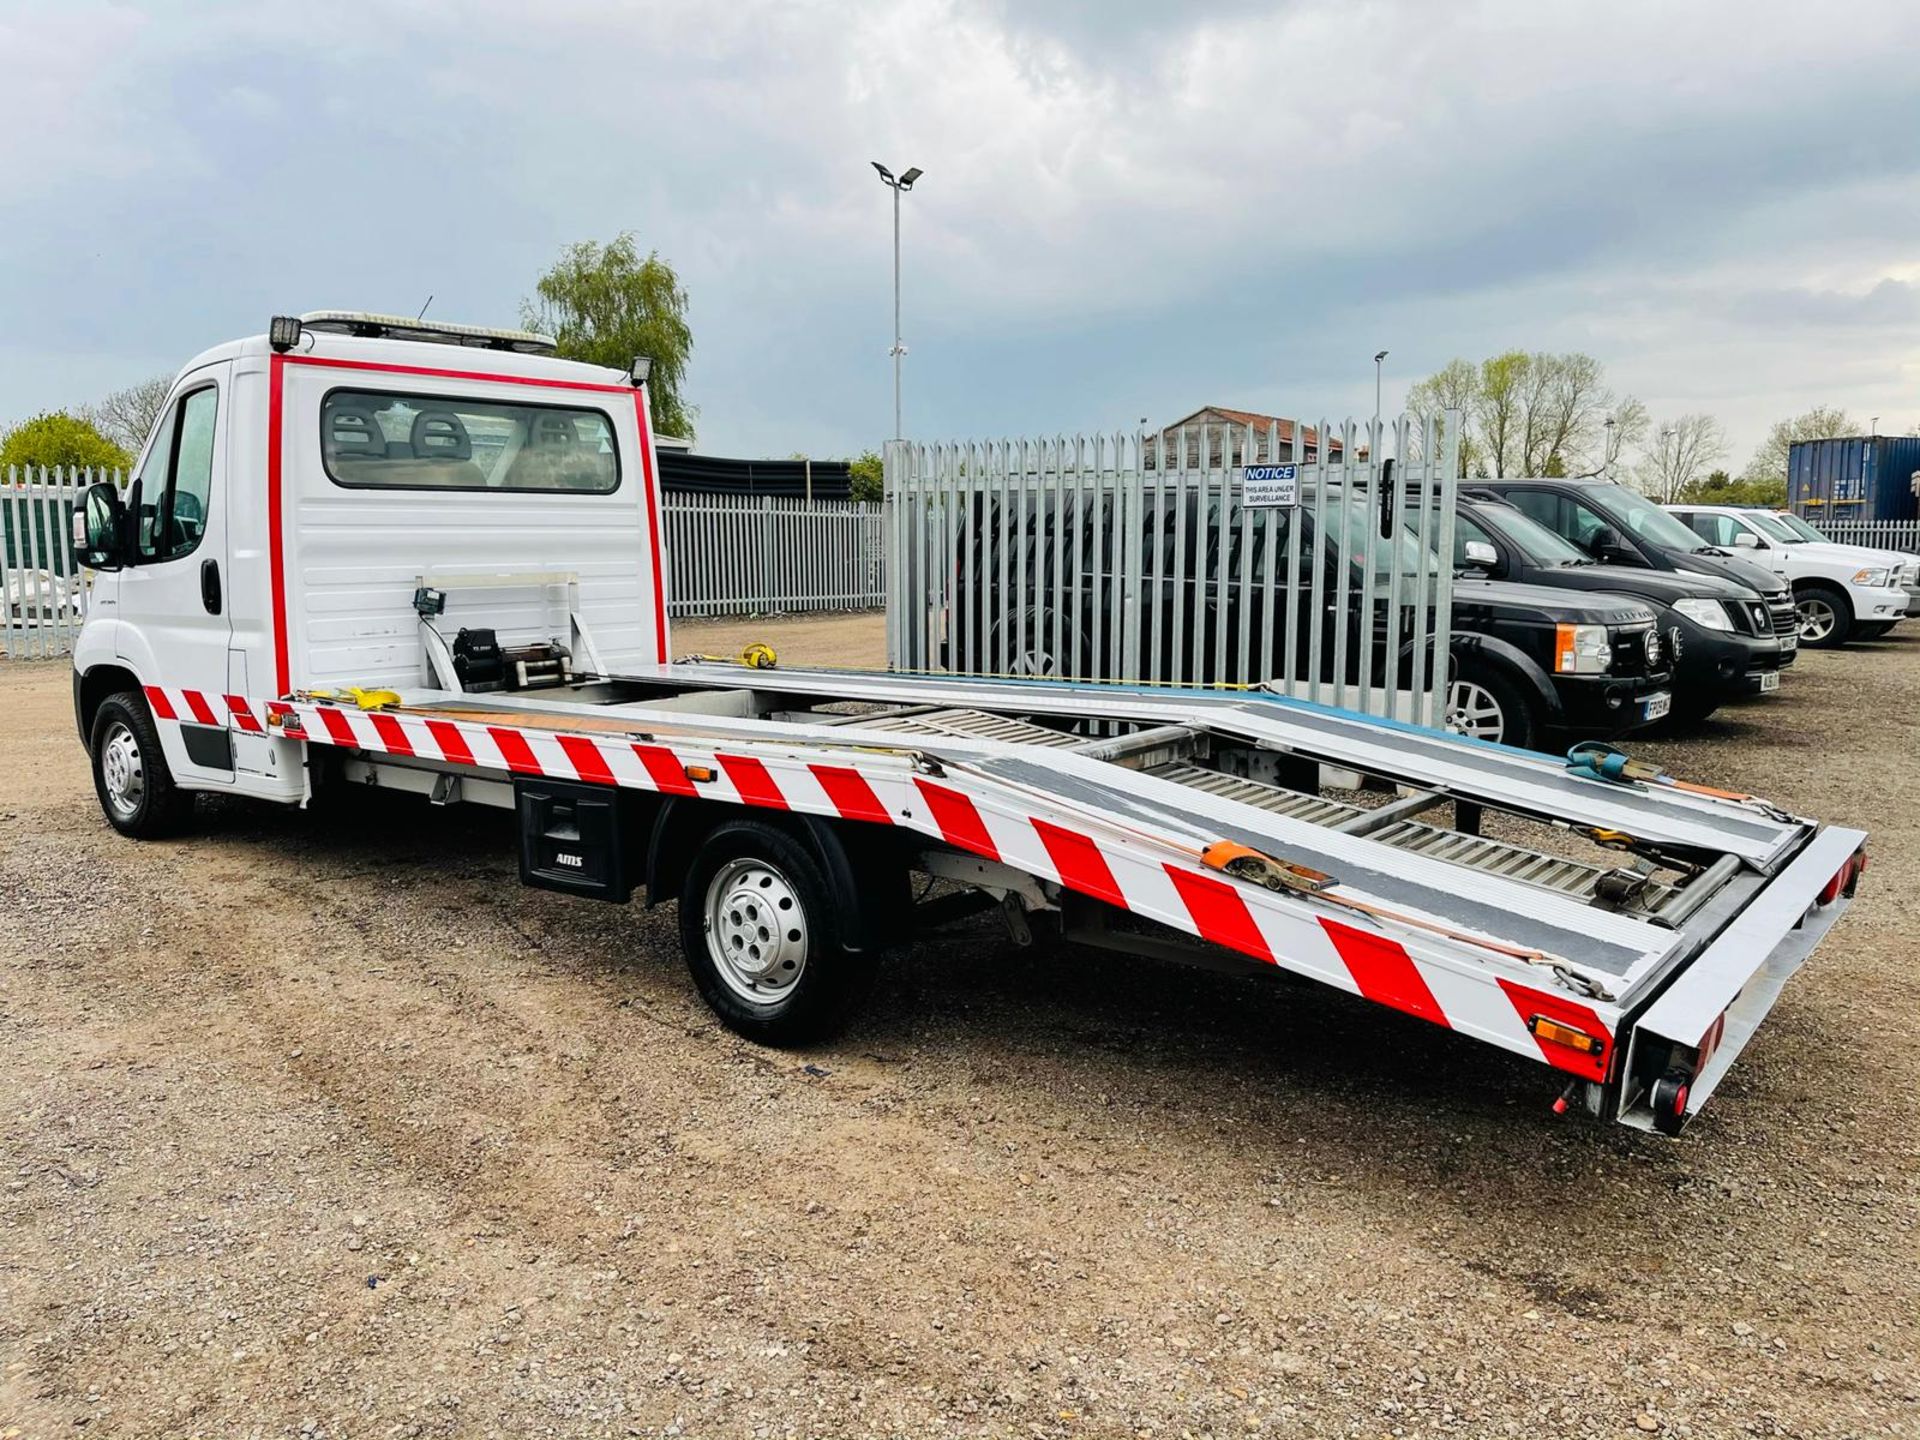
(1846, 881)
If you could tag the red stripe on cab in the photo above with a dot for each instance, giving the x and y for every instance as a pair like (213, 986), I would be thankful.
(158, 703)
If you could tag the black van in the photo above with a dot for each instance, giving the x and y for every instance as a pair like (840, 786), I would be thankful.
(1720, 637)
(1530, 666)
(1618, 526)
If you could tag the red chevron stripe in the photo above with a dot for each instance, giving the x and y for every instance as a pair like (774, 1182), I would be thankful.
(959, 821)
(587, 760)
(391, 735)
(243, 714)
(667, 773)
(751, 779)
(515, 750)
(453, 745)
(1384, 971)
(850, 793)
(337, 726)
(158, 703)
(1081, 865)
(1219, 913)
(202, 711)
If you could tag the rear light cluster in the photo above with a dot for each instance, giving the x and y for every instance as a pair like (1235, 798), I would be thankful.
(1847, 880)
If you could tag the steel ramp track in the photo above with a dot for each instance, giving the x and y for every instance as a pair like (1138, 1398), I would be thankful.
(1507, 779)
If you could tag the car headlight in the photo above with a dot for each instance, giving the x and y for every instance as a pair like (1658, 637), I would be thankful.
(1651, 645)
(1708, 613)
(1872, 579)
(1582, 649)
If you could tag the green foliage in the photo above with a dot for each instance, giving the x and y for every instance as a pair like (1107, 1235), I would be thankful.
(605, 304)
(1720, 488)
(60, 439)
(868, 482)
(1532, 413)
(1822, 422)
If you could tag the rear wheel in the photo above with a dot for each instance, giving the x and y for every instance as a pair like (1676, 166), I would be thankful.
(1487, 706)
(762, 938)
(130, 773)
(1825, 617)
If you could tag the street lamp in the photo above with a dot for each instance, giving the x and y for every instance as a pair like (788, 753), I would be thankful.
(1376, 401)
(1606, 452)
(1666, 466)
(899, 185)
(1876, 426)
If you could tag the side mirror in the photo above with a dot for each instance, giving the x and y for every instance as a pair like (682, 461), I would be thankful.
(1746, 540)
(1603, 542)
(100, 528)
(1481, 556)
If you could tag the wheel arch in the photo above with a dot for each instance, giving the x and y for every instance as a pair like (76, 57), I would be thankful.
(91, 688)
(863, 863)
(1513, 665)
(1830, 588)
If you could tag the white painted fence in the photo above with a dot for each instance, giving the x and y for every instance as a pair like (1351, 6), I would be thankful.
(1876, 534)
(42, 594)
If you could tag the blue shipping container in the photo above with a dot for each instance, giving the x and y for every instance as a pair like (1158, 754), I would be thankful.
(1860, 477)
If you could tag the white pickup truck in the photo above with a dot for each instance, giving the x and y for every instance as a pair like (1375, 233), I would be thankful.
(1842, 592)
(372, 552)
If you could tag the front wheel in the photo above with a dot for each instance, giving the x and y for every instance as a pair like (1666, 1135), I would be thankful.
(1486, 706)
(761, 937)
(130, 772)
(1825, 617)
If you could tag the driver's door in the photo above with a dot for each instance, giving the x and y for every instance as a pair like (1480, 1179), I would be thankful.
(175, 625)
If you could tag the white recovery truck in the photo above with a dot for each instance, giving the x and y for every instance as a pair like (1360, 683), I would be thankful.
(364, 551)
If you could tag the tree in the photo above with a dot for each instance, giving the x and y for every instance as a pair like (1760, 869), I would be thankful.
(868, 476)
(58, 438)
(1681, 454)
(1532, 413)
(605, 304)
(128, 416)
(1823, 422)
(1720, 488)
(1454, 386)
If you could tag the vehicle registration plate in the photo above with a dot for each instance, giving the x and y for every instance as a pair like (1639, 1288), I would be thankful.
(1769, 680)
(1655, 706)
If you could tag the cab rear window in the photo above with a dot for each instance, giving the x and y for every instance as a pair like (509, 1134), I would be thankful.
(382, 440)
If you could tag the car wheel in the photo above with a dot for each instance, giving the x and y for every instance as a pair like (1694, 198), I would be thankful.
(130, 774)
(1486, 706)
(1825, 617)
(762, 938)
(1024, 645)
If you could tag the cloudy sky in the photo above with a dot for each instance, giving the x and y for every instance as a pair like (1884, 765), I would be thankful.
(1130, 209)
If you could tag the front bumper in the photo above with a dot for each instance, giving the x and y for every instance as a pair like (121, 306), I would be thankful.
(1725, 663)
(1881, 605)
(1603, 706)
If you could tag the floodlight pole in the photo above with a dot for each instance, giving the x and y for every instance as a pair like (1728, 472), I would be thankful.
(897, 184)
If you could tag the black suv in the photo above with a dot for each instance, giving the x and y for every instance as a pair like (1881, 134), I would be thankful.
(1618, 526)
(1530, 665)
(1720, 640)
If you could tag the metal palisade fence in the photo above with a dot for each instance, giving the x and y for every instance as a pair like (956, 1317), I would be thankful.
(763, 554)
(1284, 558)
(727, 555)
(43, 595)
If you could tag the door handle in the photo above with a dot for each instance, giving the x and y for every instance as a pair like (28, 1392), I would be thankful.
(210, 585)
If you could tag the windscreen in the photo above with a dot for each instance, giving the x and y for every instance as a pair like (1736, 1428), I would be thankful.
(1542, 546)
(1768, 526)
(1800, 528)
(435, 442)
(1645, 520)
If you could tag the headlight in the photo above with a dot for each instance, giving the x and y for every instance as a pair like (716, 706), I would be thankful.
(1708, 613)
(1872, 579)
(1582, 649)
(1651, 645)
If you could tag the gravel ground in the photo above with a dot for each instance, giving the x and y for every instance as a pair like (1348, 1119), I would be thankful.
(333, 1130)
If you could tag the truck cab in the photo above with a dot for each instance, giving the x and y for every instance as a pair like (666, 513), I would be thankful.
(1840, 594)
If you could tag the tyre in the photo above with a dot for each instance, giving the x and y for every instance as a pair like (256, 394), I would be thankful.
(761, 936)
(1486, 705)
(1024, 644)
(130, 774)
(1826, 619)
(1873, 630)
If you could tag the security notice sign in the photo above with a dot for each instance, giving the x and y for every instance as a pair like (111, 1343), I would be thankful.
(1264, 485)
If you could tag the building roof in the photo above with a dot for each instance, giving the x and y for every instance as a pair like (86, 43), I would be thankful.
(1262, 424)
